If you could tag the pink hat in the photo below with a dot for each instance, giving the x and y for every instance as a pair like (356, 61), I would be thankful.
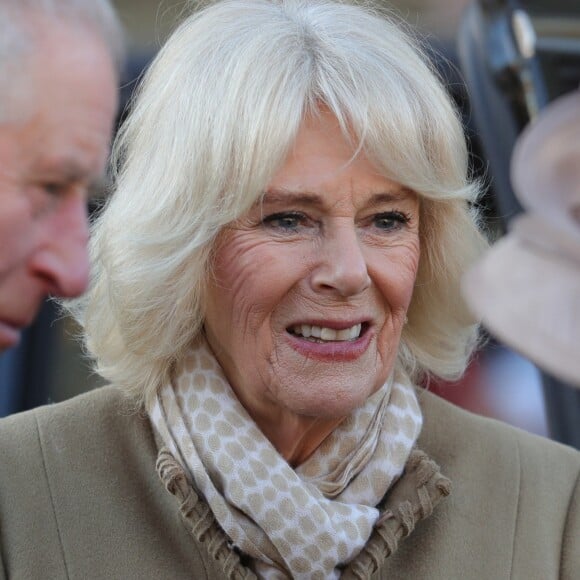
(526, 289)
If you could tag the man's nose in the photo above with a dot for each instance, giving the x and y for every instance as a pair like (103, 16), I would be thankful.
(62, 259)
(341, 265)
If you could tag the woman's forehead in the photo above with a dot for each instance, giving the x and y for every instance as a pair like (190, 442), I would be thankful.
(324, 165)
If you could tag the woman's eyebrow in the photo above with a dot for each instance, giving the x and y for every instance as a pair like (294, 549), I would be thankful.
(401, 194)
(283, 196)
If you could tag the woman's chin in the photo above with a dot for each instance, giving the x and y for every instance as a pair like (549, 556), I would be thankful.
(327, 380)
(328, 398)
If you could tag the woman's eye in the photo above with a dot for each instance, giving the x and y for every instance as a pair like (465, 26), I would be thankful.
(287, 221)
(389, 221)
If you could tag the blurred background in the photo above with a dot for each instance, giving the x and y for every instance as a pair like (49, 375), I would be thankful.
(148, 22)
(502, 61)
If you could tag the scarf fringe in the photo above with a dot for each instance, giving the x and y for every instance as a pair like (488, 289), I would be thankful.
(400, 513)
(398, 522)
(203, 525)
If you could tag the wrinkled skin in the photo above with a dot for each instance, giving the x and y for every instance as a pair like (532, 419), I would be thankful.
(53, 147)
(333, 243)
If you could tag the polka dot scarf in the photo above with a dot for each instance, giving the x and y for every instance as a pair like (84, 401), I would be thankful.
(299, 523)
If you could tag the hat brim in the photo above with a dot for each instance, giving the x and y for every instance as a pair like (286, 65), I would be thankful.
(530, 300)
(544, 167)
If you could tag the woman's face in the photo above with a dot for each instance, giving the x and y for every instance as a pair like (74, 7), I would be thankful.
(311, 287)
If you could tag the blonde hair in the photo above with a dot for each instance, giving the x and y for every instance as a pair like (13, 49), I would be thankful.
(214, 118)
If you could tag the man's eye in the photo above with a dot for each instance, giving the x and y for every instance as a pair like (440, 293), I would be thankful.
(54, 189)
(288, 221)
(389, 221)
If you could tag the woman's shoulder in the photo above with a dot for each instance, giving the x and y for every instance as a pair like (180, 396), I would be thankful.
(105, 412)
(54, 444)
(499, 463)
(85, 432)
(514, 508)
(450, 431)
(79, 478)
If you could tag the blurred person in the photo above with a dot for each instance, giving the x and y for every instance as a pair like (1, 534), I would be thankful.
(277, 269)
(59, 72)
(527, 288)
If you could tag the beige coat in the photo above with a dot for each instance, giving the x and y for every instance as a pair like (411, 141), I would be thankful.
(80, 498)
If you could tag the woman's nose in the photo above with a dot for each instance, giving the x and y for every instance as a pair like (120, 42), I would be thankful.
(61, 262)
(341, 266)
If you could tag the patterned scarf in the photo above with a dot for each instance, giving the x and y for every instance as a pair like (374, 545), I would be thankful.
(300, 523)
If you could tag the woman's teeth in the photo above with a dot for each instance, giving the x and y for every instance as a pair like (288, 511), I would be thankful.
(327, 334)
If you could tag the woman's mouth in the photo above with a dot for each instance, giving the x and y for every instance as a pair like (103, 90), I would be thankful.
(322, 334)
(328, 344)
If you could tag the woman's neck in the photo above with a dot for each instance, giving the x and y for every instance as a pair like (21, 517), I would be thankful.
(295, 437)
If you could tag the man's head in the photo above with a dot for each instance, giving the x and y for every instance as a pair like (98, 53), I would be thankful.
(58, 98)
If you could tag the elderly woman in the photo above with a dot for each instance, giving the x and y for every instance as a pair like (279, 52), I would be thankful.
(277, 269)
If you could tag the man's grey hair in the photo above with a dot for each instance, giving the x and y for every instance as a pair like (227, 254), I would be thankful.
(17, 36)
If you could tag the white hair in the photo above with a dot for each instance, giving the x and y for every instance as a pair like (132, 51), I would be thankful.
(214, 119)
(18, 37)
